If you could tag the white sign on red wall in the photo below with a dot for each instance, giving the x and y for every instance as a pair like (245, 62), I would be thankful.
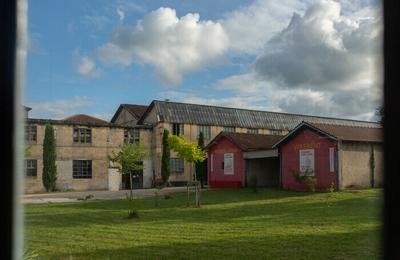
(228, 163)
(306, 158)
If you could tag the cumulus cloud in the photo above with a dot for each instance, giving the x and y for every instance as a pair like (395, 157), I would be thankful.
(59, 109)
(250, 27)
(87, 67)
(172, 45)
(324, 50)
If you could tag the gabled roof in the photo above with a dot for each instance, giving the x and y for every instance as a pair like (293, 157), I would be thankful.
(135, 110)
(338, 132)
(175, 112)
(247, 142)
(81, 118)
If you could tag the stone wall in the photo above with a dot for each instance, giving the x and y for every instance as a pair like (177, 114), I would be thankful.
(104, 140)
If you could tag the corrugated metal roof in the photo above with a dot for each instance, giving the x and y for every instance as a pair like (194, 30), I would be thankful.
(222, 116)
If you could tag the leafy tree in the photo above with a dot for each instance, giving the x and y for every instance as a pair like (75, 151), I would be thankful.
(129, 159)
(186, 150)
(165, 168)
(380, 112)
(49, 175)
(201, 167)
(190, 152)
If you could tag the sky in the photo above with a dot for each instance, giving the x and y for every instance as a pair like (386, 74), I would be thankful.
(298, 56)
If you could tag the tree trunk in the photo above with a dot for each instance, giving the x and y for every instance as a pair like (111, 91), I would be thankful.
(130, 183)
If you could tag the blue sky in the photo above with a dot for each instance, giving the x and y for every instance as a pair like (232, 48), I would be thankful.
(310, 57)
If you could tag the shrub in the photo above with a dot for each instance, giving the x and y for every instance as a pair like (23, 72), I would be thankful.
(305, 178)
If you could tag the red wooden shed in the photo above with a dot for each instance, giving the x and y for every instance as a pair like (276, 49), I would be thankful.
(238, 159)
(345, 156)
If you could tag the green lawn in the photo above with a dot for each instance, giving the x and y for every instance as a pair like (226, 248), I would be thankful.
(230, 224)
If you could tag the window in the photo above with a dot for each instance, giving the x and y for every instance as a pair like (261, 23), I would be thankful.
(82, 169)
(229, 129)
(228, 164)
(31, 167)
(82, 135)
(276, 132)
(206, 130)
(252, 130)
(30, 133)
(131, 136)
(177, 165)
(178, 129)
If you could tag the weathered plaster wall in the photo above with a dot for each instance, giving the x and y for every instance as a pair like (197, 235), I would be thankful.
(356, 167)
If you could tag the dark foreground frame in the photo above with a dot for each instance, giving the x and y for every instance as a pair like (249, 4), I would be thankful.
(391, 119)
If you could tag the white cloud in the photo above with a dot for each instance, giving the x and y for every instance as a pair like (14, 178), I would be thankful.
(59, 109)
(87, 68)
(121, 14)
(250, 27)
(172, 45)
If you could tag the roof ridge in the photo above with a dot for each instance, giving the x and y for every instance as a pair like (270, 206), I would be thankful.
(265, 111)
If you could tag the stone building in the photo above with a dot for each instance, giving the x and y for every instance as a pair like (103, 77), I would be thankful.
(83, 144)
(188, 120)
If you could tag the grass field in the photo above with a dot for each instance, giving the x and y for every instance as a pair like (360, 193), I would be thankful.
(268, 224)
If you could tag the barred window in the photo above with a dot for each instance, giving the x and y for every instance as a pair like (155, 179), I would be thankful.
(131, 136)
(252, 130)
(206, 130)
(30, 133)
(177, 165)
(82, 169)
(178, 129)
(31, 167)
(82, 135)
(230, 129)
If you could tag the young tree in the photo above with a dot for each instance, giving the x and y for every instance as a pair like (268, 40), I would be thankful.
(190, 152)
(129, 160)
(49, 175)
(165, 169)
(201, 167)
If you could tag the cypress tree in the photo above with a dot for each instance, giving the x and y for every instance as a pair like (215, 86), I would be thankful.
(49, 175)
(201, 167)
(165, 169)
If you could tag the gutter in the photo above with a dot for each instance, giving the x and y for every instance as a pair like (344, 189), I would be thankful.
(339, 163)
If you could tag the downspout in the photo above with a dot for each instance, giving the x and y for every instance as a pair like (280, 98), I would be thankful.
(280, 168)
(339, 163)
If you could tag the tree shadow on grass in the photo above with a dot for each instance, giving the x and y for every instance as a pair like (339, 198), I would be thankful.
(286, 211)
(362, 244)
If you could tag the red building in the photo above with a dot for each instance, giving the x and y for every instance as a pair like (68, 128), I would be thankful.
(237, 160)
(345, 156)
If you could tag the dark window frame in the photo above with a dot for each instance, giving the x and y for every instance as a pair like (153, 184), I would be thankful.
(177, 129)
(177, 166)
(31, 133)
(132, 136)
(206, 133)
(30, 168)
(82, 135)
(82, 169)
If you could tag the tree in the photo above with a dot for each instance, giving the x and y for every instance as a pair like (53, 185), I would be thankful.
(190, 152)
(129, 160)
(165, 169)
(380, 112)
(201, 167)
(49, 175)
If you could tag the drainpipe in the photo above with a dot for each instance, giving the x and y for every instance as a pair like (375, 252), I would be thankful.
(280, 168)
(339, 163)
